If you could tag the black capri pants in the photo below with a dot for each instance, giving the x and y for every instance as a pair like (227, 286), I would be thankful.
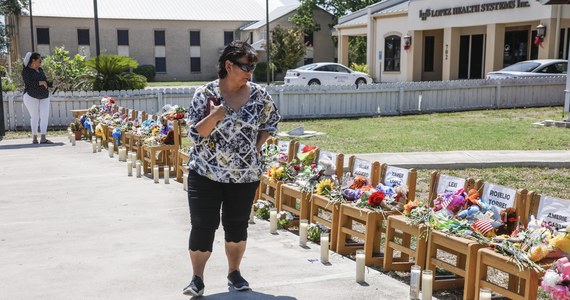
(205, 197)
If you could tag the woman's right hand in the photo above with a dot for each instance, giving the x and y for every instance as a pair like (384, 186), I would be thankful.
(217, 111)
(43, 83)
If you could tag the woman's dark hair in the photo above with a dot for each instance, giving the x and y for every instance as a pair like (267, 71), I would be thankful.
(33, 57)
(233, 52)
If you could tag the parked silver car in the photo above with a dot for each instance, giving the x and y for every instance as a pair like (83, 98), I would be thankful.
(532, 68)
(325, 74)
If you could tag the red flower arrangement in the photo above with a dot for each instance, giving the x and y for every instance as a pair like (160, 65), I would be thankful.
(376, 198)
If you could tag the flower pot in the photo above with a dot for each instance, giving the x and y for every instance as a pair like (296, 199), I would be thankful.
(78, 135)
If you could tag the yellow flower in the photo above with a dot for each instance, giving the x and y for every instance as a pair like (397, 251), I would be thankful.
(324, 186)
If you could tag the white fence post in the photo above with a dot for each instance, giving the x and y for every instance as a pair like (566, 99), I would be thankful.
(11, 111)
(401, 101)
(498, 95)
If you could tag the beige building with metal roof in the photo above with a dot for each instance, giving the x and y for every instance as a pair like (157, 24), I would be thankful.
(424, 40)
(182, 39)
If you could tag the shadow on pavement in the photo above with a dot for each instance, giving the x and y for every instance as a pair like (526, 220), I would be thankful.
(243, 295)
(30, 145)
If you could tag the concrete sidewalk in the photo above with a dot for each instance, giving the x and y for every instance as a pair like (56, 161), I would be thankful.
(74, 226)
(471, 159)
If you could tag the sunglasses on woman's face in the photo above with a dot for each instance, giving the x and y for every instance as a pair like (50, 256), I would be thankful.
(244, 67)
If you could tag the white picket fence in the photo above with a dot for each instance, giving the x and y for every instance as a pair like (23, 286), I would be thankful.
(296, 102)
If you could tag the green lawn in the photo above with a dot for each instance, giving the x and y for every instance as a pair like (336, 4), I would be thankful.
(509, 129)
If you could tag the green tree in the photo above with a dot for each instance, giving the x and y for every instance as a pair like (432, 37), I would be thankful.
(287, 47)
(59, 67)
(63, 68)
(112, 72)
(12, 9)
(304, 17)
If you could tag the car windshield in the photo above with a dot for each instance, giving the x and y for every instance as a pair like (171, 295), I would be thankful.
(522, 67)
(307, 67)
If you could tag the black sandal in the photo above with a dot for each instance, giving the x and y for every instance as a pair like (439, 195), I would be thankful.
(46, 142)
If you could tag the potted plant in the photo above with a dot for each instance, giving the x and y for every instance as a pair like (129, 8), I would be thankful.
(76, 128)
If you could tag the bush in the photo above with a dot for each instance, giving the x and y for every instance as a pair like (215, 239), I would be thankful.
(7, 85)
(359, 67)
(260, 72)
(112, 72)
(148, 71)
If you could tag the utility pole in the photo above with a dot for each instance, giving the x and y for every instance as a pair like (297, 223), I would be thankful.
(97, 47)
(2, 127)
(267, 43)
(32, 27)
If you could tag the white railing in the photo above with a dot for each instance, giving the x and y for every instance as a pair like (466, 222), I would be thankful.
(300, 102)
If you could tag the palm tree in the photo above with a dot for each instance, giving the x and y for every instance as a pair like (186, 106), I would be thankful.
(112, 72)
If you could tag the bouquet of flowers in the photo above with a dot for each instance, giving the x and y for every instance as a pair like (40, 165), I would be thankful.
(556, 281)
(75, 126)
(261, 209)
(284, 219)
(314, 232)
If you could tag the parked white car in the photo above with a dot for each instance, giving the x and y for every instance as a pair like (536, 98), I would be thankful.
(325, 74)
(532, 68)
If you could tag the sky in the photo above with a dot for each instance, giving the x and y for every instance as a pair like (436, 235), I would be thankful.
(274, 3)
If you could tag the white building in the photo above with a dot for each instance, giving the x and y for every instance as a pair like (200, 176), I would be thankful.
(453, 39)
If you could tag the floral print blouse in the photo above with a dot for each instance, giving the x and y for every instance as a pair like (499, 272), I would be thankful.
(229, 154)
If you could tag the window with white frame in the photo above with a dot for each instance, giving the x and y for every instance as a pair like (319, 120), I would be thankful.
(160, 51)
(392, 49)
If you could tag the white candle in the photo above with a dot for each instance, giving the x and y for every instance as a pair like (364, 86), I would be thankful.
(111, 149)
(138, 164)
(69, 135)
(324, 247)
(251, 216)
(133, 156)
(427, 284)
(185, 181)
(98, 145)
(273, 220)
(129, 167)
(94, 146)
(166, 171)
(415, 275)
(122, 154)
(303, 225)
(485, 294)
(360, 258)
(72, 140)
(155, 174)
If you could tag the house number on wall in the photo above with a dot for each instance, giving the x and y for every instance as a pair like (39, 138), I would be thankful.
(446, 51)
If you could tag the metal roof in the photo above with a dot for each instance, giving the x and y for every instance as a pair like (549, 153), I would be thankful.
(402, 7)
(195, 10)
(273, 15)
(385, 6)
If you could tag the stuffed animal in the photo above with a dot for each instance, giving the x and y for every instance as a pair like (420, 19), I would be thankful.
(509, 221)
(117, 135)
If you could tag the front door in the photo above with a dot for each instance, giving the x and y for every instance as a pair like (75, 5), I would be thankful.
(516, 47)
(471, 56)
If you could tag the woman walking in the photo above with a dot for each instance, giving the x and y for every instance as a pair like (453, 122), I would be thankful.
(230, 120)
(36, 95)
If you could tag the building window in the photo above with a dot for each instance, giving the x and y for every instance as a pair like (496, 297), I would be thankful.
(195, 65)
(392, 45)
(159, 38)
(43, 36)
(429, 52)
(308, 61)
(160, 64)
(308, 38)
(83, 37)
(228, 37)
(194, 38)
(251, 37)
(122, 37)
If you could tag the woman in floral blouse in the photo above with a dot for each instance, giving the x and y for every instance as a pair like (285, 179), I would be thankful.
(230, 119)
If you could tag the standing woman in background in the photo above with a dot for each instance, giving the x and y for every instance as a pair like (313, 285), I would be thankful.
(36, 95)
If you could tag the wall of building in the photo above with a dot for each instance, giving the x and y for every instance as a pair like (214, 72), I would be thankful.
(387, 26)
(141, 41)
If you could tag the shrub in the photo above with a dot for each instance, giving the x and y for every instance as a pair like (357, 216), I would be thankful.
(359, 67)
(7, 85)
(148, 71)
(260, 72)
(112, 72)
